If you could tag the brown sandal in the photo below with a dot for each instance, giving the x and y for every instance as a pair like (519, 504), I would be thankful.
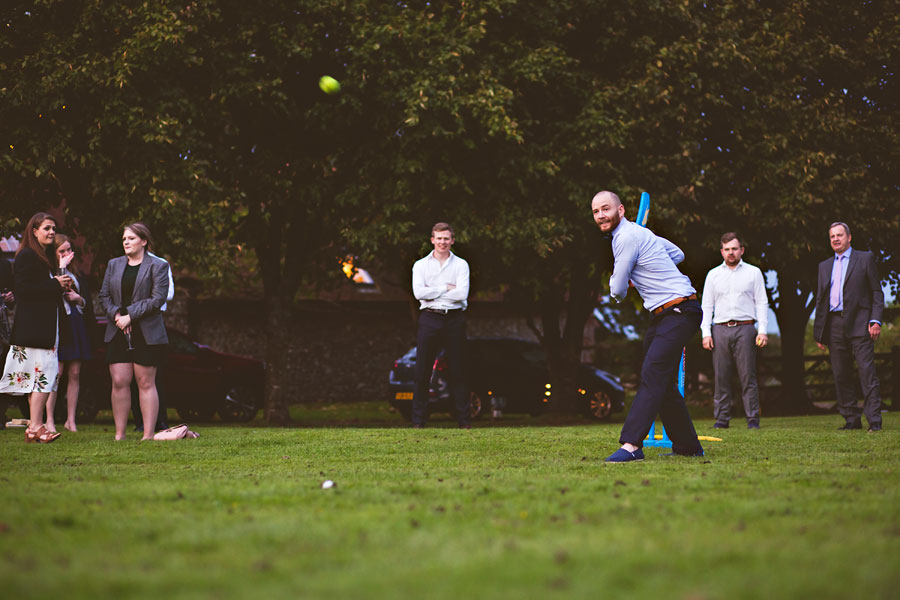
(40, 436)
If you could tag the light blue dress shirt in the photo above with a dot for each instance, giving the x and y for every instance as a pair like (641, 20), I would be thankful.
(648, 261)
(845, 264)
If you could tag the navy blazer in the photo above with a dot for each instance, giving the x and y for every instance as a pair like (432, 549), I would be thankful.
(38, 302)
(863, 297)
(150, 290)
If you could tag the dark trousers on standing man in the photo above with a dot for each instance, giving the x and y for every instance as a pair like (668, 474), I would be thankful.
(436, 331)
(658, 393)
(842, 349)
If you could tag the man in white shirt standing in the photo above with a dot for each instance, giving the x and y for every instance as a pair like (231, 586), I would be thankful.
(735, 318)
(440, 283)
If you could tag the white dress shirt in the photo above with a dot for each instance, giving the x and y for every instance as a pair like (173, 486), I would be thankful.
(430, 279)
(737, 294)
(171, 293)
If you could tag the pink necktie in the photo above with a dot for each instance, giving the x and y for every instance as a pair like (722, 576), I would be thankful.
(836, 282)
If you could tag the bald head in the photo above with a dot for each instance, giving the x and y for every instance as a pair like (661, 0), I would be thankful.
(609, 196)
(607, 210)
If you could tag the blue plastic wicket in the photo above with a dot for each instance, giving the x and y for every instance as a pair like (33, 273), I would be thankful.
(664, 442)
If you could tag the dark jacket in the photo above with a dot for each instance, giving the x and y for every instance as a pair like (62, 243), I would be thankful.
(38, 302)
(863, 298)
(149, 295)
(87, 311)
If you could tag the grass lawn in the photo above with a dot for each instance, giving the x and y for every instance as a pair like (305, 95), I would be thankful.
(522, 510)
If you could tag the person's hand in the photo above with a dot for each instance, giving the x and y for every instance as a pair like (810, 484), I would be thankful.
(123, 322)
(9, 298)
(707, 342)
(66, 259)
(72, 296)
(820, 345)
(761, 340)
(874, 331)
(64, 280)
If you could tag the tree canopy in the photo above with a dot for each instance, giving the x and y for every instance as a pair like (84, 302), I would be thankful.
(503, 117)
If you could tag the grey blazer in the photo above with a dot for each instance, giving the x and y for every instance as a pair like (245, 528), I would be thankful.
(863, 298)
(150, 291)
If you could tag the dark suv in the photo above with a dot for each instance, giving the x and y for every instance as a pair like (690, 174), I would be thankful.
(505, 374)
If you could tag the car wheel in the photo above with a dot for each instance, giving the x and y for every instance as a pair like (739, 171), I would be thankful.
(200, 412)
(239, 405)
(476, 405)
(599, 405)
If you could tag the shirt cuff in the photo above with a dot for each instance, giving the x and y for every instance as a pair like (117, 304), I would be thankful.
(874, 321)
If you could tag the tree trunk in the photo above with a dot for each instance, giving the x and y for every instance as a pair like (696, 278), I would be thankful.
(793, 312)
(278, 345)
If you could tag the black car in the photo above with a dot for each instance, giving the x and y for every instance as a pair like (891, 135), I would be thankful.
(198, 382)
(504, 374)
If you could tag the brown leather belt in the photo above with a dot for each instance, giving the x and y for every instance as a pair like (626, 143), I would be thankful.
(672, 303)
(736, 323)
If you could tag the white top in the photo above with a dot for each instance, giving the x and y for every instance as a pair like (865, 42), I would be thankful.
(430, 279)
(737, 294)
(171, 293)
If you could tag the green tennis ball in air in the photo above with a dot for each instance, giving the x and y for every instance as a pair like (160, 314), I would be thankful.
(329, 85)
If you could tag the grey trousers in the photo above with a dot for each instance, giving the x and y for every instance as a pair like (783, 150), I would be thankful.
(842, 350)
(735, 347)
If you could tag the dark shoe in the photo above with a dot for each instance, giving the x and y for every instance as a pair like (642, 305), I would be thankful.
(466, 426)
(622, 456)
(684, 454)
(851, 425)
(721, 425)
(162, 426)
(752, 424)
(679, 452)
(874, 427)
(417, 426)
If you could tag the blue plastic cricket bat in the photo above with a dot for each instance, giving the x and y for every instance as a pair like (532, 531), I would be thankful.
(643, 210)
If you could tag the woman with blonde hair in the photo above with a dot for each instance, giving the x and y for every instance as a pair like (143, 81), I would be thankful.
(31, 364)
(134, 289)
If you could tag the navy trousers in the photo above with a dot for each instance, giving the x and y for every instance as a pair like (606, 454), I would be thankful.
(435, 332)
(658, 391)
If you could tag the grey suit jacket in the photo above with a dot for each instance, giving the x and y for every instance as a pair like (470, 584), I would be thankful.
(863, 298)
(150, 291)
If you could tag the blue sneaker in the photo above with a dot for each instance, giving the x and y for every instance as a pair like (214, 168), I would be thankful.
(623, 456)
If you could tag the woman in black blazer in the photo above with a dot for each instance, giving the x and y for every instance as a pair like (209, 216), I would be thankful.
(134, 289)
(31, 364)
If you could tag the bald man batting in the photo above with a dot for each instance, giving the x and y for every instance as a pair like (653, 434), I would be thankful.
(649, 262)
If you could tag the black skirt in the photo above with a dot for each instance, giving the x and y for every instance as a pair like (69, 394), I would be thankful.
(144, 354)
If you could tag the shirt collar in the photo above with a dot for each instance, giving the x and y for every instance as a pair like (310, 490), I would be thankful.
(736, 267)
(620, 227)
(846, 253)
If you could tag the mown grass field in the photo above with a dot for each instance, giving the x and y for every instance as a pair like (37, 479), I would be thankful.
(522, 510)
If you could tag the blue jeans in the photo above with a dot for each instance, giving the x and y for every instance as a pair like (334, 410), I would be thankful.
(658, 391)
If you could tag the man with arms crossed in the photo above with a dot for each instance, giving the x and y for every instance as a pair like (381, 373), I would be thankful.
(648, 261)
(849, 305)
(734, 299)
(440, 283)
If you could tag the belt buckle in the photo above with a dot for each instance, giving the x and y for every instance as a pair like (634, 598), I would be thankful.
(731, 323)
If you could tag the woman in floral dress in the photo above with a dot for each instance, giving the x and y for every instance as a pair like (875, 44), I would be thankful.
(31, 364)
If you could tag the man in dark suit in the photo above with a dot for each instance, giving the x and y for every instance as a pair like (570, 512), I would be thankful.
(849, 305)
